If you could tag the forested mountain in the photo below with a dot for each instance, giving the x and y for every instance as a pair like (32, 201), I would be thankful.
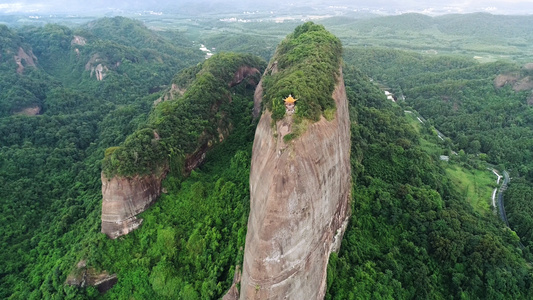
(412, 235)
(483, 109)
(50, 162)
(478, 25)
(467, 101)
(69, 93)
(486, 36)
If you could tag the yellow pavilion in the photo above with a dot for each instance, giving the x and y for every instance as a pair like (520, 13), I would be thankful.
(289, 104)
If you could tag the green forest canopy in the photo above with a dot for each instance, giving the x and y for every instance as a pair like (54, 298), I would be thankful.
(184, 124)
(411, 235)
(308, 63)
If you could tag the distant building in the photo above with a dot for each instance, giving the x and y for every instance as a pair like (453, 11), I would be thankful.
(290, 104)
(444, 158)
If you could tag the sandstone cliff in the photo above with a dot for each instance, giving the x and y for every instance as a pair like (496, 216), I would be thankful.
(123, 199)
(96, 67)
(299, 210)
(28, 59)
(186, 129)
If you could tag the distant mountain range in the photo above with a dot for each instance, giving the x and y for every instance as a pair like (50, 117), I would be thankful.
(213, 7)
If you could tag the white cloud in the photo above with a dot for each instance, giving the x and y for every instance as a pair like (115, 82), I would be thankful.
(429, 6)
(20, 7)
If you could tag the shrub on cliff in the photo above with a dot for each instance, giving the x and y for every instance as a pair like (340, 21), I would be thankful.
(308, 62)
(180, 126)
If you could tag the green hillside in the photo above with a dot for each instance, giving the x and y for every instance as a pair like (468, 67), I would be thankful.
(413, 233)
(420, 228)
(308, 64)
(50, 162)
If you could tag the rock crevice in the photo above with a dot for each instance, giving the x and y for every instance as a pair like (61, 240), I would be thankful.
(28, 59)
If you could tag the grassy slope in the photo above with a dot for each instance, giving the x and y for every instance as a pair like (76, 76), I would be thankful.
(476, 185)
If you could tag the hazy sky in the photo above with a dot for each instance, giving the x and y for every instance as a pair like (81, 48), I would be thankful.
(430, 7)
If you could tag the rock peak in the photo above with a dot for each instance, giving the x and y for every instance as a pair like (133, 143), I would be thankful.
(299, 209)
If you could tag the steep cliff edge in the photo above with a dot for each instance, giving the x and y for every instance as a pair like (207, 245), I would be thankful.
(176, 139)
(300, 190)
(123, 199)
(28, 59)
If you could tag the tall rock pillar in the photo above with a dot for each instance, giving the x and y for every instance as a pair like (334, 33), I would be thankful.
(300, 193)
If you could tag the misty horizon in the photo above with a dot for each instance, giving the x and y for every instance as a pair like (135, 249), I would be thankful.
(386, 7)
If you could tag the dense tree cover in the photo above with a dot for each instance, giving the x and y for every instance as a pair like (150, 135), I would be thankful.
(184, 124)
(489, 37)
(519, 211)
(9, 40)
(411, 236)
(153, 60)
(307, 63)
(487, 26)
(188, 245)
(50, 163)
(193, 237)
(244, 43)
(459, 97)
(131, 53)
(49, 169)
(133, 33)
(479, 26)
(19, 91)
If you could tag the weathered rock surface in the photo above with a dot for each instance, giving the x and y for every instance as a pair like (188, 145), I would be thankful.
(518, 83)
(83, 276)
(28, 59)
(258, 95)
(78, 40)
(96, 67)
(29, 111)
(300, 194)
(174, 92)
(243, 73)
(123, 199)
(233, 292)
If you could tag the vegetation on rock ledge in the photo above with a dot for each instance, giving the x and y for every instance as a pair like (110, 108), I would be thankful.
(179, 127)
(308, 63)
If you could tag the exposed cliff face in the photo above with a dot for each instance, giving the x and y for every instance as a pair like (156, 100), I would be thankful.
(78, 40)
(174, 92)
(243, 73)
(96, 67)
(29, 111)
(123, 199)
(258, 95)
(518, 82)
(126, 196)
(300, 194)
(83, 276)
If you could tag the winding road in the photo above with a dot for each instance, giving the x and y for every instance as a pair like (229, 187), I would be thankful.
(499, 204)
(501, 207)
